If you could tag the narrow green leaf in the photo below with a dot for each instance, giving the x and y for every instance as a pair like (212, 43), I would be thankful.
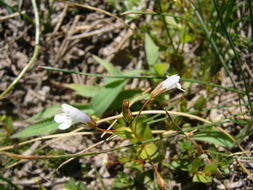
(106, 96)
(84, 90)
(108, 66)
(52, 110)
(43, 127)
(170, 20)
(200, 103)
(46, 113)
(214, 137)
(126, 94)
(7, 123)
(151, 51)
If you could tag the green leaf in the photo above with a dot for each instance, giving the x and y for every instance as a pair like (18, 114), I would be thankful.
(46, 113)
(126, 132)
(172, 22)
(195, 165)
(134, 165)
(84, 90)
(148, 151)
(201, 177)
(87, 108)
(108, 66)
(43, 127)
(200, 103)
(214, 137)
(139, 97)
(211, 168)
(52, 110)
(151, 51)
(160, 68)
(106, 96)
(143, 131)
(7, 123)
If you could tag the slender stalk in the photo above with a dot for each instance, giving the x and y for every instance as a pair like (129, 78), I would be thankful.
(166, 26)
(13, 9)
(236, 56)
(143, 77)
(35, 53)
(138, 115)
(208, 34)
(106, 120)
(164, 135)
(250, 16)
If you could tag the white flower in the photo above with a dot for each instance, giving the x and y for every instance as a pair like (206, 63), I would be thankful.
(70, 114)
(168, 84)
(172, 82)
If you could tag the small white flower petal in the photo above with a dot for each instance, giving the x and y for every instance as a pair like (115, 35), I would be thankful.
(60, 118)
(171, 82)
(75, 114)
(65, 125)
(179, 86)
(168, 84)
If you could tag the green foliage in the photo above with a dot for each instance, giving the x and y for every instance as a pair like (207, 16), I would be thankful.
(111, 90)
(127, 5)
(132, 95)
(84, 90)
(123, 181)
(7, 184)
(43, 127)
(214, 137)
(101, 101)
(186, 37)
(108, 66)
(74, 185)
(137, 131)
(46, 113)
(151, 50)
(200, 103)
(7, 124)
(46, 124)
(189, 160)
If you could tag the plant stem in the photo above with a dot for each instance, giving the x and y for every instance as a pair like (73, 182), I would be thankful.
(35, 53)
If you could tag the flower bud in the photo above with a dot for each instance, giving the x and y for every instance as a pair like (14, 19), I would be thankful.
(127, 114)
(168, 84)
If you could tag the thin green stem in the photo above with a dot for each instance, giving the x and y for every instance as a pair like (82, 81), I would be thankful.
(250, 16)
(35, 53)
(208, 34)
(165, 135)
(143, 77)
(137, 117)
(166, 26)
(13, 9)
(236, 56)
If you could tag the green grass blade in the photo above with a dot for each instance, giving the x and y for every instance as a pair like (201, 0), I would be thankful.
(166, 26)
(142, 77)
(214, 46)
(223, 26)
